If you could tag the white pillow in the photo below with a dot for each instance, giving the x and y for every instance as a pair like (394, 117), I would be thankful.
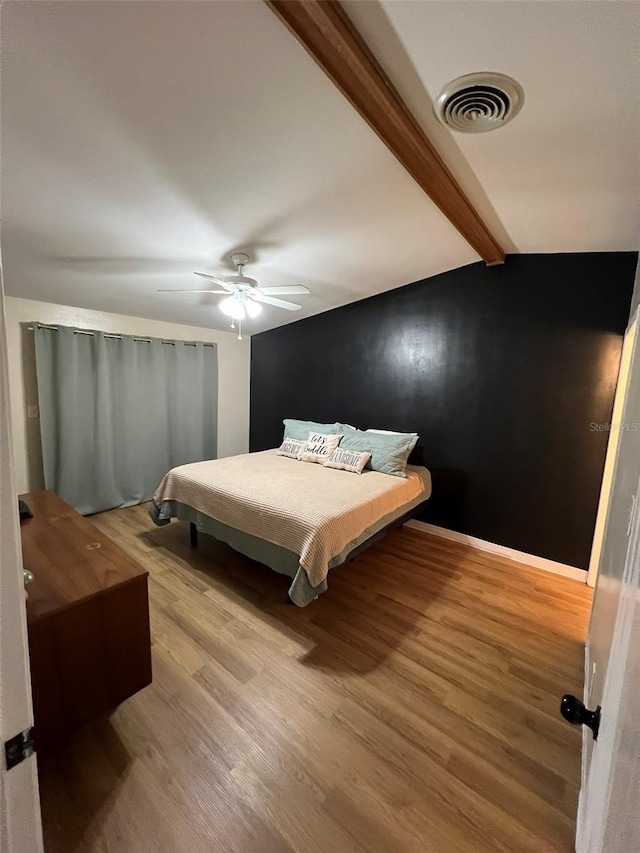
(291, 447)
(391, 432)
(348, 460)
(319, 447)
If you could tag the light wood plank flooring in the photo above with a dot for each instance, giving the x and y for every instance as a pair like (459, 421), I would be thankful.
(414, 707)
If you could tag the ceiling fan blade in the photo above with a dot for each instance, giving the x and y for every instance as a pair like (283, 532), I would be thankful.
(227, 287)
(290, 289)
(279, 303)
(171, 290)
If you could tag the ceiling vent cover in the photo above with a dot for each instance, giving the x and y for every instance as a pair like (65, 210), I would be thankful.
(477, 103)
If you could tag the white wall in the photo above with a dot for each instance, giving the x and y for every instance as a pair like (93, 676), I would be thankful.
(233, 375)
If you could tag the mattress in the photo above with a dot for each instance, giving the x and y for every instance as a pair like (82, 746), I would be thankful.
(317, 514)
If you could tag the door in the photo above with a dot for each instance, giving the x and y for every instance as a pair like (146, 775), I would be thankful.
(608, 816)
(609, 661)
(20, 830)
(615, 541)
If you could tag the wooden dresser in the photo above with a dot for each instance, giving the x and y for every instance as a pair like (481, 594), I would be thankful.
(87, 618)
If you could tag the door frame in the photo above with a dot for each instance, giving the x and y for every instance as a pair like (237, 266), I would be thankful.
(620, 398)
(20, 819)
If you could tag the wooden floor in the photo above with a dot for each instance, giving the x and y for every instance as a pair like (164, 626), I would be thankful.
(413, 707)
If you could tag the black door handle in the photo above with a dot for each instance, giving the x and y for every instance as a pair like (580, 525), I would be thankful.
(574, 712)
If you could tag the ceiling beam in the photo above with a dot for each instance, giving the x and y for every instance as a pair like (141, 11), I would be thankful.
(325, 31)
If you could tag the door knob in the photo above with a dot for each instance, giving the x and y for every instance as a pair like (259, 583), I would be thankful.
(574, 712)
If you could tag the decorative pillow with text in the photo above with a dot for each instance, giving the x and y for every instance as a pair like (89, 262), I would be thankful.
(291, 447)
(348, 460)
(319, 447)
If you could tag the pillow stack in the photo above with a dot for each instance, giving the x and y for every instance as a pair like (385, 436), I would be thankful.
(346, 448)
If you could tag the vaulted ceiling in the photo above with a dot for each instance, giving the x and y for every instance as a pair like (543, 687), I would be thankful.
(143, 140)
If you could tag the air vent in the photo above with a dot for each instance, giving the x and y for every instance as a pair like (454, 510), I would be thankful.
(477, 103)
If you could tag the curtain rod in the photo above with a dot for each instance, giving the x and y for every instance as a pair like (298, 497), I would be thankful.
(119, 337)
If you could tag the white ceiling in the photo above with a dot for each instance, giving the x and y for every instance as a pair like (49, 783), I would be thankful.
(564, 176)
(143, 140)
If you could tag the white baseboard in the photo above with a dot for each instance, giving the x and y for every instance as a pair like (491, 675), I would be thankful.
(502, 550)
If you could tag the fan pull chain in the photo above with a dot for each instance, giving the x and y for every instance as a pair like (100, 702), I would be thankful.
(239, 330)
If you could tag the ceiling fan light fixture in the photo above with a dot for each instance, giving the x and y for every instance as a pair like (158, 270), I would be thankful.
(252, 308)
(233, 307)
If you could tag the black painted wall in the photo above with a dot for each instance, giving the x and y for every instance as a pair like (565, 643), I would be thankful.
(502, 371)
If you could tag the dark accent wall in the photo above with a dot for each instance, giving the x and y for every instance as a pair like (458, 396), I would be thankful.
(503, 371)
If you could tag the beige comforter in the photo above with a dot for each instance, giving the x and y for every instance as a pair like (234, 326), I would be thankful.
(315, 512)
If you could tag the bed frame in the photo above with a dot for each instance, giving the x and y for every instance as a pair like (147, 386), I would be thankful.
(351, 556)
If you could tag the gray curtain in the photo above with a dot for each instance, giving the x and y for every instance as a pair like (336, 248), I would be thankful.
(116, 413)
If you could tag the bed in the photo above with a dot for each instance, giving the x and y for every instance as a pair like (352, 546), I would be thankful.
(298, 518)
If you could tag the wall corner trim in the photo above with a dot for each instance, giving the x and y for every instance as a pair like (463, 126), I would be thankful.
(510, 553)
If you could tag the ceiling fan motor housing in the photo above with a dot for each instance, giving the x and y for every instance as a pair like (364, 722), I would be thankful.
(242, 282)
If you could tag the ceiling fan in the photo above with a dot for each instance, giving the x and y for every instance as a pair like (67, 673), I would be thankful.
(242, 294)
